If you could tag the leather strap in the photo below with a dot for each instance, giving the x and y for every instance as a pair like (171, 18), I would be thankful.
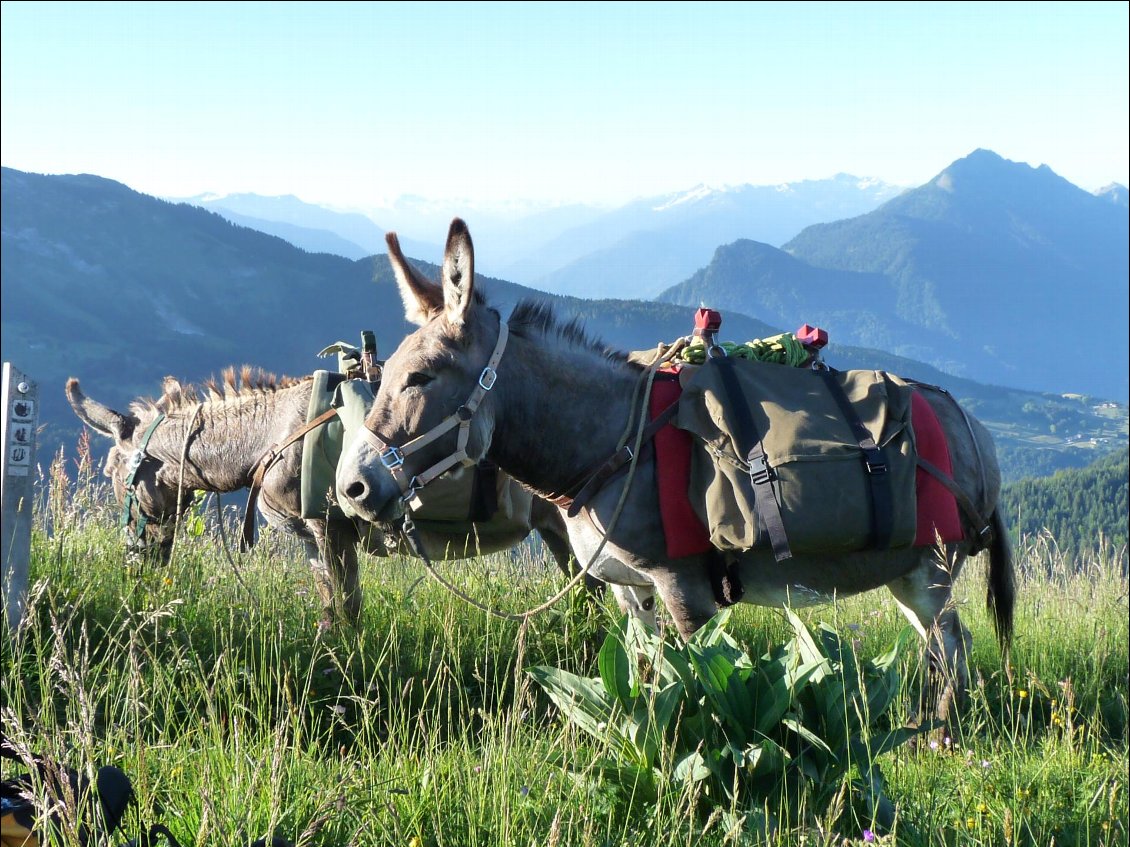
(597, 477)
(266, 461)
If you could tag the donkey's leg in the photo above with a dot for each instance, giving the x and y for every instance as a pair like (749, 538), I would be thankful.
(925, 596)
(340, 553)
(686, 592)
(332, 553)
(323, 577)
(550, 525)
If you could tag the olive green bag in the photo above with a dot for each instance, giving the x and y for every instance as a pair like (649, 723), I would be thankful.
(481, 509)
(818, 476)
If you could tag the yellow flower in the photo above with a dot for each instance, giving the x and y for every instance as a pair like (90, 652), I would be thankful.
(414, 841)
(1022, 693)
(970, 823)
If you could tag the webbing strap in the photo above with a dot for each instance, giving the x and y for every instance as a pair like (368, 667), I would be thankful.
(266, 461)
(982, 530)
(611, 466)
(874, 462)
(761, 475)
(392, 457)
(138, 456)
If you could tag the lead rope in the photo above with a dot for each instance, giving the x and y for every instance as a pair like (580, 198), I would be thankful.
(219, 512)
(646, 379)
(228, 555)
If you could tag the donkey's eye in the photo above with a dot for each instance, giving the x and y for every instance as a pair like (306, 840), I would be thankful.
(418, 378)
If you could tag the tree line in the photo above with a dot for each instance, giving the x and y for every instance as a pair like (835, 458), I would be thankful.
(1079, 507)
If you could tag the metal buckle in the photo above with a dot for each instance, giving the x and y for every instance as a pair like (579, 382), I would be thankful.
(392, 458)
(875, 468)
(135, 459)
(487, 378)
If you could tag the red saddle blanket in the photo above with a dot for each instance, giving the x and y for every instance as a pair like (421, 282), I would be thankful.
(937, 513)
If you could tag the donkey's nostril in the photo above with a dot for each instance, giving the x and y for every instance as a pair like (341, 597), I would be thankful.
(356, 490)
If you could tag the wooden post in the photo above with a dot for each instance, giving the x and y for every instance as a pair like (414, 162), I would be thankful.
(21, 414)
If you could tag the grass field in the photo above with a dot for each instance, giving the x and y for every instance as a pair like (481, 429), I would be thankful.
(237, 717)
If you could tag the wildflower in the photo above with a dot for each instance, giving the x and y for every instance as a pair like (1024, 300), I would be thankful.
(478, 769)
(970, 823)
(933, 745)
(1022, 693)
(524, 790)
(338, 710)
(868, 836)
(982, 808)
(985, 765)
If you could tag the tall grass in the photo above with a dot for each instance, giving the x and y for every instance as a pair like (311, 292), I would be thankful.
(237, 717)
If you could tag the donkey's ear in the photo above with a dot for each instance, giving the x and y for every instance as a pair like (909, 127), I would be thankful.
(423, 299)
(101, 419)
(458, 273)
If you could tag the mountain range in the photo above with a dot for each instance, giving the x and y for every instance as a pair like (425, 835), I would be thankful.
(993, 269)
(120, 289)
(631, 252)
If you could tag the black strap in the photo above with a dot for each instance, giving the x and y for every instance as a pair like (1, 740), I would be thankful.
(874, 462)
(982, 530)
(748, 442)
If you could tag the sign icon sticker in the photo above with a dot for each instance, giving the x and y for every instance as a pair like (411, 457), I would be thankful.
(23, 410)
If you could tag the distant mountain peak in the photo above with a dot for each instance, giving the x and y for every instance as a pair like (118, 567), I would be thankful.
(1116, 193)
(693, 195)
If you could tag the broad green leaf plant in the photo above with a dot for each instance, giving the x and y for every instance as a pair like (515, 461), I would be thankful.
(784, 737)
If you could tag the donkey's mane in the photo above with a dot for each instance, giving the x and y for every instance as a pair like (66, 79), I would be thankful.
(232, 384)
(538, 317)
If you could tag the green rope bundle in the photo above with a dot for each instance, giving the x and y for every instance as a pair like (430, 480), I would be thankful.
(783, 349)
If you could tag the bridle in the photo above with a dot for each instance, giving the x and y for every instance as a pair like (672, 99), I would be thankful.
(131, 501)
(135, 534)
(392, 457)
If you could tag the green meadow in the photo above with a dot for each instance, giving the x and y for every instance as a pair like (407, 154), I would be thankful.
(210, 683)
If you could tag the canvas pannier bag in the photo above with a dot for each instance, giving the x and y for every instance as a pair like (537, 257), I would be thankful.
(818, 477)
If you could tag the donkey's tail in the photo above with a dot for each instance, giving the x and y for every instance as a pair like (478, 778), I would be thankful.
(1001, 599)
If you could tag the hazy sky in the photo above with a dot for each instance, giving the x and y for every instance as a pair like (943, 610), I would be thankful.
(352, 104)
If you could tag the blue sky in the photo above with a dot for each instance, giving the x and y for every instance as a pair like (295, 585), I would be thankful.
(352, 104)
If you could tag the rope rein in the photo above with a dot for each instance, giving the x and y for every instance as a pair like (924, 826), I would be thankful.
(645, 380)
(219, 512)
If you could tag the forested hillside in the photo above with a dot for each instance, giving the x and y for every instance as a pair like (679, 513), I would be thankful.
(1078, 507)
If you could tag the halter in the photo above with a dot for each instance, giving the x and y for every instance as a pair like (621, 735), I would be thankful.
(392, 458)
(135, 536)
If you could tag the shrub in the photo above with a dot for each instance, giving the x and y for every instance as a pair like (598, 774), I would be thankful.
(778, 738)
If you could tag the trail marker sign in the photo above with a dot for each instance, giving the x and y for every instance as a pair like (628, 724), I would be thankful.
(21, 414)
